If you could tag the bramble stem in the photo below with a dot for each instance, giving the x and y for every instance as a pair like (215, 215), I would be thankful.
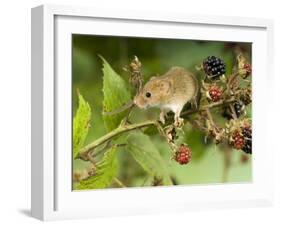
(84, 152)
(116, 132)
(208, 106)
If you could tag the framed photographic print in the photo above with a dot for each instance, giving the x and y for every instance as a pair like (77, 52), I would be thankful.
(137, 112)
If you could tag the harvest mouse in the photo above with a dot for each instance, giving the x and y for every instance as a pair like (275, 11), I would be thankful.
(169, 92)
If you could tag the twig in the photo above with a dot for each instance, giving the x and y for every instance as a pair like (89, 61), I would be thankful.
(129, 113)
(233, 112)
(126, 128)
(208, 106)
(163, 133)
(196, 124)
(116, 132)
(209, 115)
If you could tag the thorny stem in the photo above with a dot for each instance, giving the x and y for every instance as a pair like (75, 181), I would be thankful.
(232, 78)
(209, 115)
(92, 171)
(162, 132)
(98, 152)
(230, 81)
(92, 160)
(197, 125)
(208, 106)
(129, 113)
(84, 152)
(116, 132)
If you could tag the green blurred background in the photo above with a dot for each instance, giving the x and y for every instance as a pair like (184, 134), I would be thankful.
(157, 56)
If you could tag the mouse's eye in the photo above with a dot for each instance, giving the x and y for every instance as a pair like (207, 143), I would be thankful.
(148, 94)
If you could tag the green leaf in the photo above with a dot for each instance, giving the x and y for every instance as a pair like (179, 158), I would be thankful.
(147, 155)
(81, 125)
(116, 94)
(105, 173)
(151, 131)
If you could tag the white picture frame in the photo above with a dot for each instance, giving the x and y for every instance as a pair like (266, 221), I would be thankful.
(52, 197)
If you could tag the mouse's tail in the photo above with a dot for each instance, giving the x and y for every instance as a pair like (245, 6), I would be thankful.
(121, 109)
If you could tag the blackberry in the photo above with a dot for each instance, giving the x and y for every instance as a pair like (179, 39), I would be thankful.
(214, 67)
(214, 93)
(238, 141)
(183, 155)
(246, 97)
(248, 69)
(247, 148)
(247, 133)
(239, 110)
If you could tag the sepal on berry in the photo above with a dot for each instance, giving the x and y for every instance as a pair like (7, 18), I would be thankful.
(244, 68)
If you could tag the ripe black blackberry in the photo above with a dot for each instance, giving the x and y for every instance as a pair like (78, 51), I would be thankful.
(214, 67)
(247, 134)
(239, 110)
(247, 148)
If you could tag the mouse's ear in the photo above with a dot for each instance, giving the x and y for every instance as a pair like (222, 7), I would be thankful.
(165, 86)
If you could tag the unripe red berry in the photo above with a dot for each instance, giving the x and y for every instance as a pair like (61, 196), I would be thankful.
(183, 155)
(238, 140)
(248, 69)
(215, 93)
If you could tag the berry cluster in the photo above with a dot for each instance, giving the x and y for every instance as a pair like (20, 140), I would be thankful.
(214, 93)
(241, 139)
(214, 67)
(183, 154)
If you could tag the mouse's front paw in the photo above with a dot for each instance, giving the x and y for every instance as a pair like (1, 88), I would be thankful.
(179, 122)
(162, 117)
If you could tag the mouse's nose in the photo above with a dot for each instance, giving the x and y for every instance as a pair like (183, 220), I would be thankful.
(138, 101)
